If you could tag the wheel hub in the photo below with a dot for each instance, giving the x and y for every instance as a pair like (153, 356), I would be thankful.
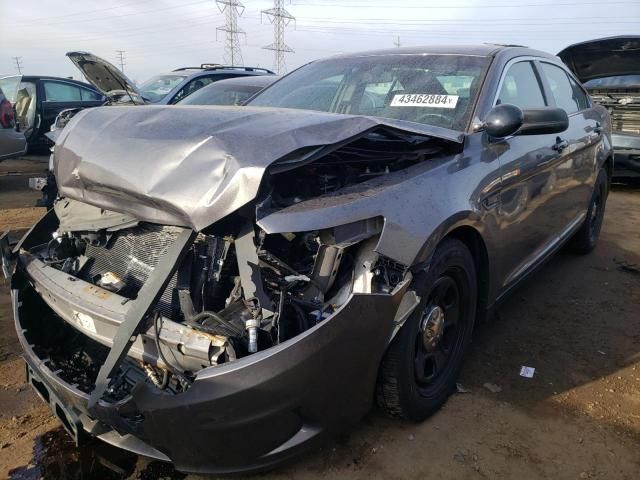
(432, 326)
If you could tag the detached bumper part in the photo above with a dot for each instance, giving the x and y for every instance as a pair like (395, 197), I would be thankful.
(37, 183)
(248, 414)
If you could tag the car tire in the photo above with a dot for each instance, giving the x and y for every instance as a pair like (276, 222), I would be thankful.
(421, 366)
(585, 239)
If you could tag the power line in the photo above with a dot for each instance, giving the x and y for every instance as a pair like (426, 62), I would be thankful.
(442, 7)
(493, 21)
(396, 42)
(87, 12)
(109, 17)
(18, 62)
(121, 59)
(280, 18)
(232, 10)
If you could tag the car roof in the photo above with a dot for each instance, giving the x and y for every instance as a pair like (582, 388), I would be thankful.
(217, 66)
(190, 74)
(481, 50)
(61, 79)
(249, 80)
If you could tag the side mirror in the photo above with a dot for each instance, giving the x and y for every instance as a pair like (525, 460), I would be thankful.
(503, 120)
(506, 119)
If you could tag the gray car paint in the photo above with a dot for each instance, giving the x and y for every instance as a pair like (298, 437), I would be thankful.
(520, 197)
(199, 172)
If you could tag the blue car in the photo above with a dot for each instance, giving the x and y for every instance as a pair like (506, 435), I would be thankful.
(170, 88)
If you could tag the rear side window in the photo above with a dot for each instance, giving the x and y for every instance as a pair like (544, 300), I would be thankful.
(196, 84)
(520, 87)
(568, 96)
(61, 92)
(89, 95)
(579, 95)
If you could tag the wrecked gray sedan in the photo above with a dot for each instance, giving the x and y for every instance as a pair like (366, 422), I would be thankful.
(225, 287)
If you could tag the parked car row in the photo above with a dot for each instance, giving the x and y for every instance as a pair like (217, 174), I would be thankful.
(224, 288)
(37, 101)
(44, 105)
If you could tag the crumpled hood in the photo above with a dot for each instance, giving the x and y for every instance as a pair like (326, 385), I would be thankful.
(604, 57)
(192, 165)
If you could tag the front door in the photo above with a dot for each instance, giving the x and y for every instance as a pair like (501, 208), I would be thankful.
(530, 206)
(57, 96)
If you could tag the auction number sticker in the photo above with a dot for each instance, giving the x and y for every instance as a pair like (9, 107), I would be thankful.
(424, 100)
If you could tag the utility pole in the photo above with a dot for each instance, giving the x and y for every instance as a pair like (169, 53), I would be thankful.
(280, 18)
(232, 10)
(18, 62)
(121, 59)
(396, 42)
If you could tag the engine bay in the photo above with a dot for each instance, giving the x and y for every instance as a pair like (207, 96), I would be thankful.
(236, 291)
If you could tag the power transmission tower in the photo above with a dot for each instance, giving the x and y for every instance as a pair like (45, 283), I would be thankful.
(18, 62)
(121, 59)
(280, 18)
(396, 42)
(232, 10)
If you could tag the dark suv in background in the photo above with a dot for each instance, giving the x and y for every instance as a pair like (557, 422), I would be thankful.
(172, 87)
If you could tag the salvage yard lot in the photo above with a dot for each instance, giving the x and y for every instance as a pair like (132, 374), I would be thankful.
(577, 322)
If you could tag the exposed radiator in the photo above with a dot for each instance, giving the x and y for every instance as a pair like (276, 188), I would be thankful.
(132, 254)
(623, 105)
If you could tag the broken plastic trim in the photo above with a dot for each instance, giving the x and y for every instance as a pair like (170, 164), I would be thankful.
(139, 310)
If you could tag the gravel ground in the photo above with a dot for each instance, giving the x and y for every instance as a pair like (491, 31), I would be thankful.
(577, 322)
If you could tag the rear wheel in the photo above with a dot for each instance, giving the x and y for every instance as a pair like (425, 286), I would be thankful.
(421, 366)
(585, 239)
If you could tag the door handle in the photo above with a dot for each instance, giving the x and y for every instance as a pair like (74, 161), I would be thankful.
(598, 128)
(560, 144)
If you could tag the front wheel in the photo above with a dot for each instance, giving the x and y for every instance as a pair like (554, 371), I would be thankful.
(421, 366)
(585, 239)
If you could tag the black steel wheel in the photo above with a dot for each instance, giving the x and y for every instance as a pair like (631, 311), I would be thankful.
(421, 366)
(585, 239)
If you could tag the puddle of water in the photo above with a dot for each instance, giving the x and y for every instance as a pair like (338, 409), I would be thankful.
(56, 457)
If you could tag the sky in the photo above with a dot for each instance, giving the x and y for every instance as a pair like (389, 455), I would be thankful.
(160, 35)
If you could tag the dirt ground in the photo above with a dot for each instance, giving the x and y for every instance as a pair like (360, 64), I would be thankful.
(16, 200)
(577, 322)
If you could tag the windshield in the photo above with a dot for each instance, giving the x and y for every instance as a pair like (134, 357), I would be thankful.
(615, 81)
(9, 86)
(156, 88)
(437, 90)
(221, 94)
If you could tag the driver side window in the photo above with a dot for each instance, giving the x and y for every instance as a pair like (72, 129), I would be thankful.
(520, 87)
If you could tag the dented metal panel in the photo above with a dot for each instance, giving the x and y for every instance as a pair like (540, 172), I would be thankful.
(191, 166)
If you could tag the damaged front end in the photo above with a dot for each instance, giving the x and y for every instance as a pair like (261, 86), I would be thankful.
(145, 335)
(228, 347)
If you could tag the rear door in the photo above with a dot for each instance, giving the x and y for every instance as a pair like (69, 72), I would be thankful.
(13, 143)
(58, 95)
(577, 171)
